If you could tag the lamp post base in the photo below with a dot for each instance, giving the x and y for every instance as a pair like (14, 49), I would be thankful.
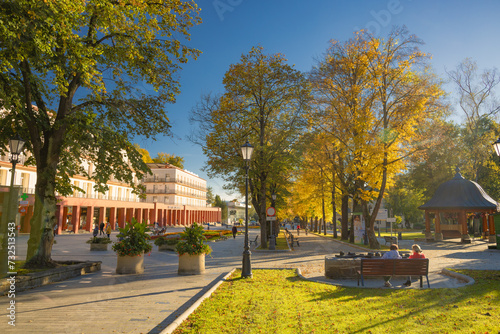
(246, 269)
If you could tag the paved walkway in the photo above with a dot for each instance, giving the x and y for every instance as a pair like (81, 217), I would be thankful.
(104, 302)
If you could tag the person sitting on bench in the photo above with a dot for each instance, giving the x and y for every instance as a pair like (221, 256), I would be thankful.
(392, 254)
(417, 254)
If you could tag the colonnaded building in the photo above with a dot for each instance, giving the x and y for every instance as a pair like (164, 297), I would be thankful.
(173, 197)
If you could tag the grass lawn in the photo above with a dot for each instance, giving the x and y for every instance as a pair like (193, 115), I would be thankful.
(281, 243)
(278, 301)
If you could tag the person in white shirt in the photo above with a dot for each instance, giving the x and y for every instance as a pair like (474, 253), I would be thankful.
(392, 254)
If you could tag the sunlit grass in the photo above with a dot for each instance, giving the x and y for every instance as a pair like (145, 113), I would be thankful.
(278, 301)
(281, 243)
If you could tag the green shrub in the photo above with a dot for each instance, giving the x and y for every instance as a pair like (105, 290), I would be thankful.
(97, 240)
(165, 241)
(192, 241)
(133, 239)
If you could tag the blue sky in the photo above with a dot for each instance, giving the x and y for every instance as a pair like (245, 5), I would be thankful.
(451, 30)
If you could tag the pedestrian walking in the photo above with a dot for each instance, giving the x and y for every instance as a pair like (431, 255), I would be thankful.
(298, 229)
(108, 230)
(101, 228)
(96, 230)
(234, 230)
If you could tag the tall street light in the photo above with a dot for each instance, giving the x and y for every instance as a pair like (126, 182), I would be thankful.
(16, 146)
(246, 271)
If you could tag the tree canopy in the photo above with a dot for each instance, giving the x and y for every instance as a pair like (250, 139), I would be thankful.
(265, 101)
(80, 79)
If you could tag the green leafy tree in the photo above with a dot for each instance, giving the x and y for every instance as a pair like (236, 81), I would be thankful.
(210, 196)
(165, 158)
(218, 202)
(265, 101)
(405, 201)
(80, 80)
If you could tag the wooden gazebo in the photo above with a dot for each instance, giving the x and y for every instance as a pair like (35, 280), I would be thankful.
(452, 202)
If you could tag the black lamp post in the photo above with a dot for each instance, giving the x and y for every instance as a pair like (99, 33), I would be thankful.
(496, 145)
(246, 271)
(16, 146)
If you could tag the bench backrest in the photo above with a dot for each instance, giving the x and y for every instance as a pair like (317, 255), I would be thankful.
(403, 267)
(411, 267)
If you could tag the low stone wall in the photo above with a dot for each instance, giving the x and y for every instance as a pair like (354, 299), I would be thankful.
(341, 267)
(45, 277)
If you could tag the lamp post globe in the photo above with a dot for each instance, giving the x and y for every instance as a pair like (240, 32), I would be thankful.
(496, 145)
(246, 269)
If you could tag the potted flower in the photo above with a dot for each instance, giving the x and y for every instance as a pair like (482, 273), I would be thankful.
(192, 250)
(133, 242)
(98, 244)
(164, 243)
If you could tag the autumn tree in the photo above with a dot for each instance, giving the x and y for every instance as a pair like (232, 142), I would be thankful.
(172, 159)
(146, 158)
(343, 91)
(264, 101)
(377, 92)
(80, 80)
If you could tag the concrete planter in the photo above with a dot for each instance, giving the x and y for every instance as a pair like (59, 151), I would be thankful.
(191, 264)
(98, 247)
(130, 264)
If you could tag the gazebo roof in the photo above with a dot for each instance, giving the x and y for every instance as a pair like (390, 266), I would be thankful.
(459, 193)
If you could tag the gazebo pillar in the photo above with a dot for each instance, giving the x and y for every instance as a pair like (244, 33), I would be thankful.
(462, 221)
(486, 219)
(438, 236)
(492, 232)
(428, 233)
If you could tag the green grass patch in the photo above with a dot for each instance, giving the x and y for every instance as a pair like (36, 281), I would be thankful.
(281, 243)
(278, 301)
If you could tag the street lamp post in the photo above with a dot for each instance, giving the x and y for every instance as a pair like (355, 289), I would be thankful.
(246, 270)
(16, 146)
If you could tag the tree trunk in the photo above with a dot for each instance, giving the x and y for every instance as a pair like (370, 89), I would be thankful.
(42, 224)
(345, 216)
(334, 208)
(262, 199)
(324, 216)
(355, 209)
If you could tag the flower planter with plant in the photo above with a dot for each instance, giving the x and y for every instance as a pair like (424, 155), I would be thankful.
(132, 244)
(192, 250)
(98, 244)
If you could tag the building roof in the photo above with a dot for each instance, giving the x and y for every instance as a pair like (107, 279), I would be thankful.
(459, 193)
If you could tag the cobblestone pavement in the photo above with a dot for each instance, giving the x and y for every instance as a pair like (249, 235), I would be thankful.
(104, 302)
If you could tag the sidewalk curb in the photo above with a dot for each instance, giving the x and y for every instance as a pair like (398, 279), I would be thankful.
(468, 280)
(177, 322)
